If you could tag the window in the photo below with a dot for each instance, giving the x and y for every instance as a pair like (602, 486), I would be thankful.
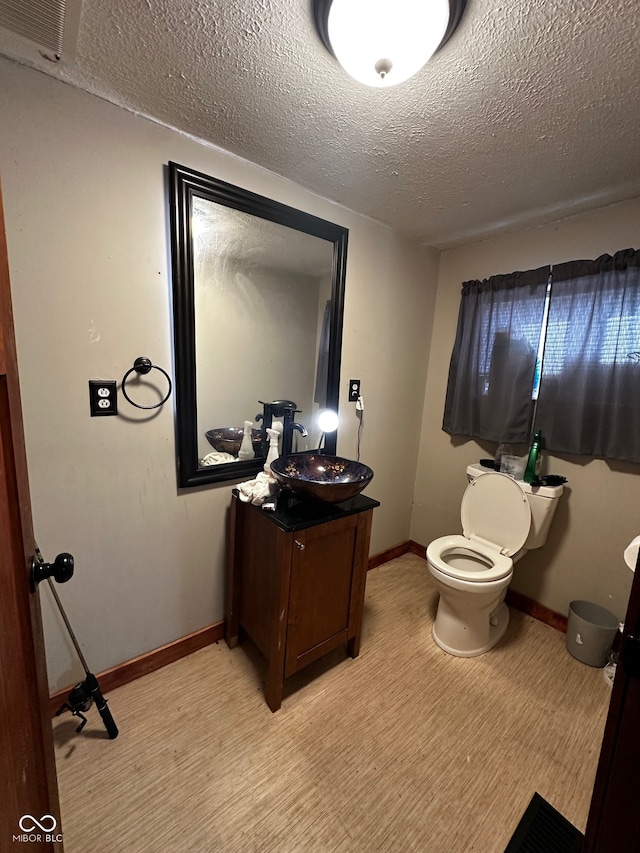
(555, 349)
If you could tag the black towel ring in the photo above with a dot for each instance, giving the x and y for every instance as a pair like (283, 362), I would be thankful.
(142, 366)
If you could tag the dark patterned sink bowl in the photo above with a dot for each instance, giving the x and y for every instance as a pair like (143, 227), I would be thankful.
(229, 439)
(328, 478)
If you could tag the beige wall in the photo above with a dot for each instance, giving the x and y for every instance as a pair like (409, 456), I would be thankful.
(87, 228)
(260, 325)
(598, 515)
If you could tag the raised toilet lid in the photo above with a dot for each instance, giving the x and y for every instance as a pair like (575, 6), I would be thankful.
(495, 510)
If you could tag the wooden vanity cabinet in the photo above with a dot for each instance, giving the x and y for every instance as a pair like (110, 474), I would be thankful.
(296, 581)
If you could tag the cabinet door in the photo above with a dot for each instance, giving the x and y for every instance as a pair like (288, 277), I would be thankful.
(320, 591)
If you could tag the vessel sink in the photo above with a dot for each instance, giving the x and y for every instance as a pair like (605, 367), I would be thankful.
(229, 439)
(328, 478)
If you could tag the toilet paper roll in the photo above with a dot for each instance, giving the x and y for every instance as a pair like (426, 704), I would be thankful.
(631, 553)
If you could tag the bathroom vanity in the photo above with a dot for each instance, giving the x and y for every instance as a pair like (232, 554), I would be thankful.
(296, 581)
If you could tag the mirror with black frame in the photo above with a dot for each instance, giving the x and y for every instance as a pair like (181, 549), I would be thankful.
(258, 298)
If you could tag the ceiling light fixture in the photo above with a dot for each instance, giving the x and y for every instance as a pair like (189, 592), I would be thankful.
(384, 42)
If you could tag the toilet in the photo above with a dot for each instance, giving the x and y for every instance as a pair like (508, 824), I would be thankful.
(502, 519)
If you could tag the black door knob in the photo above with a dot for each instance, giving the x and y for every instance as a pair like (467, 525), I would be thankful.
(61, 570)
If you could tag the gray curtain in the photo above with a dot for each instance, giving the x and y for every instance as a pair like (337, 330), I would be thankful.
(589, 399)
(491, 374)
(322, 366)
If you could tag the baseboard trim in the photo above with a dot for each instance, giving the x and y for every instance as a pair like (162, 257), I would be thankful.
(408, 547)
(150, 661)
(539, 611)
(130, 670)
(389, 554)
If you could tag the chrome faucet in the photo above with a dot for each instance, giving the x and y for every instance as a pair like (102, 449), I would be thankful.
(288, 427)
(301, 429)
(284, 409)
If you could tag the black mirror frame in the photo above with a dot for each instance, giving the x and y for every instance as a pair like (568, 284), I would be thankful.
(184, 184)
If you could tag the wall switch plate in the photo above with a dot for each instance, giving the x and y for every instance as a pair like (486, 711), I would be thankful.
(102, 397)
(354, 390)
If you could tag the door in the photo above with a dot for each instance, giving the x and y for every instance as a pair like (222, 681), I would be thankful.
(29, 807)
(614, 817)
(320, 591)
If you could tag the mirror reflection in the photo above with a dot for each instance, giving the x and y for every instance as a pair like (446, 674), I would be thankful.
(258, 296)
(262, 301)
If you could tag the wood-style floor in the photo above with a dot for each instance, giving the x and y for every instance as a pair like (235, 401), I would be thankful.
(403, 749)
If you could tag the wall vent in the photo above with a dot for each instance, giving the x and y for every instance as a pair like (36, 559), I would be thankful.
(52, 24)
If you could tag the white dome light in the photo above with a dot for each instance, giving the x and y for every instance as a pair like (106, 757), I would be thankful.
(327, 420)
(384, 42)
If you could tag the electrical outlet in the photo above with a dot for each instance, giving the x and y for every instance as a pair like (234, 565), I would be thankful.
(354, 390)
(102, 397)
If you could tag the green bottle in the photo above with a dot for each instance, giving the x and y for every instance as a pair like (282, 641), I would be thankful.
(533, 462)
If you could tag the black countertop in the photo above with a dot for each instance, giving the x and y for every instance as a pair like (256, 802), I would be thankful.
(293, 514)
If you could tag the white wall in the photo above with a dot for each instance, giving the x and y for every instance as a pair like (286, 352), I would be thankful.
(598, 515)
(87, 227)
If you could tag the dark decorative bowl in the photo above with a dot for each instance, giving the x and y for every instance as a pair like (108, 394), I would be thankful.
(229, 439)
(328, 478)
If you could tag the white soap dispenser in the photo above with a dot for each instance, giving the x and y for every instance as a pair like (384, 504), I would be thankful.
(273, 453)
(246, 448)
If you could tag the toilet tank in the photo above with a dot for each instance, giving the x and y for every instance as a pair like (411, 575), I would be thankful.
(543, 501)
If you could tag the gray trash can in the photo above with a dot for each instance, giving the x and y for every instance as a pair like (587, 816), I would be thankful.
(590, 632)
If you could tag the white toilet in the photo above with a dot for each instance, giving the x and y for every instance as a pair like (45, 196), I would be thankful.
(502, 519)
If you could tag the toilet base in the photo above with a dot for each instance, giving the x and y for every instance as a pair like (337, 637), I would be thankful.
(498, 624)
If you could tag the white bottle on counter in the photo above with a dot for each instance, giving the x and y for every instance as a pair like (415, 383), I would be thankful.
(246, 448)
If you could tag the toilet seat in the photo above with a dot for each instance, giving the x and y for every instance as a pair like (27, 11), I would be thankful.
(496, 519)
(493, 566)
(495, 511)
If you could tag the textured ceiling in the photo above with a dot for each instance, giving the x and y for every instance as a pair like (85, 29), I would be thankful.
(529, 113)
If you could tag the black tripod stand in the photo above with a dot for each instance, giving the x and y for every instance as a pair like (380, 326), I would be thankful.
(86, 692)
